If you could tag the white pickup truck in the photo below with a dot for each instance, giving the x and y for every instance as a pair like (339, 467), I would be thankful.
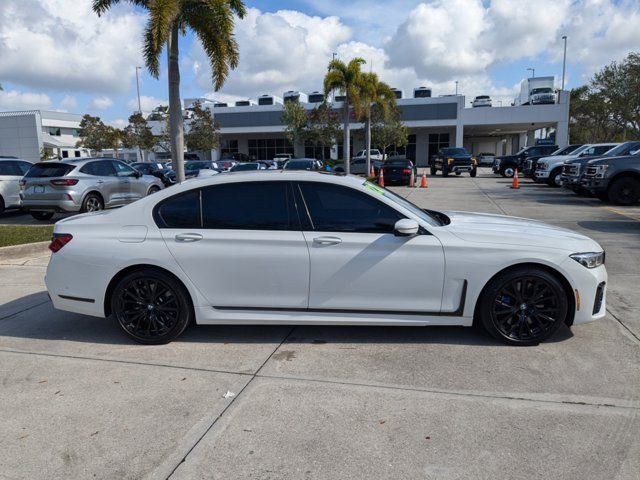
(549, 169)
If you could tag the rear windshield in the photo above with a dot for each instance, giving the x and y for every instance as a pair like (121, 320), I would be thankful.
(49, 169)
(398, 163)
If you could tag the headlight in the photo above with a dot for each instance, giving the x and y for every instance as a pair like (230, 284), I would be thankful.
(601, 170)
(589, 259)
(473, 159)
(542, 165)
(449, 160)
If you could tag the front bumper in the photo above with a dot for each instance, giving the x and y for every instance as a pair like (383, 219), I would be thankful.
(541, 175)
(594, 185)
(589, 289)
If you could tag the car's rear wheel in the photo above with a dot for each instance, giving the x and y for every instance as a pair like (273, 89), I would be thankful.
(524, 306)
(153, 189)
(92, 203)
(1, 205)
(42, 216)
(624, 191)
(151, 307)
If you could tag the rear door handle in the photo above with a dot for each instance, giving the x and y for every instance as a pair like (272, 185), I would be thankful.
(327, 240)
(99, 181)
(188, 237)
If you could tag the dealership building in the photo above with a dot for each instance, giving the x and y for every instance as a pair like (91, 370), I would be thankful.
(255, 128)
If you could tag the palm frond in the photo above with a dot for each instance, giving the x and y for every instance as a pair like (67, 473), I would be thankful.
(101, 6)
(162, 15)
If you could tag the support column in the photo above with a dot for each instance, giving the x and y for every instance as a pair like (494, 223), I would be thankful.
(459, 134)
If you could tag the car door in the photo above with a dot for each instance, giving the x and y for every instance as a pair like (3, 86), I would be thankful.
(130, 185)
(103, 179)
(357, 263)
(243, 248)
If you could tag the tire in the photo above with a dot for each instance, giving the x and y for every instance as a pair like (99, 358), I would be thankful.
(474, 173)
(554, 179)
(458, 174)
(432, 170)
(445, 172)
(509, 312)
(92, 203)
(42, 216)
(624, 191)
(153, 189)
(146, 316)
(603, 196)
(1, 205)
(507, 172)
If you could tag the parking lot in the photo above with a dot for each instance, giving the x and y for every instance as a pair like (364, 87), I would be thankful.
(80, 400)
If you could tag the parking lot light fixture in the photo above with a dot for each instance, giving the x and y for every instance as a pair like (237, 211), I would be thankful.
(564, 59)
(533, 72)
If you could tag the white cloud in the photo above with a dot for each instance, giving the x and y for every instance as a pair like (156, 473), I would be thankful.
(15, 100)
(278, 51)
(100, 103)
(118, 122)
(63, 45)
(69, 102)
(147, 103)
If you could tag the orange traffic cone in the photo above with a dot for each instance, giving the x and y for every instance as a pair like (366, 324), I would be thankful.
(423, 181)
(412, 180)
(515, 184)
(372, 173)
(381, 177)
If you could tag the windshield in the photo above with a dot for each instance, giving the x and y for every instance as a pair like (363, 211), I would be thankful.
(566, 150)
(623, 149)
(579, 150)
(455, 151)
(430, 218)
(541, 90)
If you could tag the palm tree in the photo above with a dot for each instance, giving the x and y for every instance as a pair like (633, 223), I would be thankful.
(345, 78)
(212, 21)
(373, 92)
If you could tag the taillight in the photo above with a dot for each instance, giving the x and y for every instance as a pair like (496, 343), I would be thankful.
(406, 171)
(64, 182)
(59, 240)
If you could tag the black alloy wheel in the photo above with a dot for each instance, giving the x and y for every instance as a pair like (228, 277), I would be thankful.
(624, 191)
(151, 307)
(524, 307)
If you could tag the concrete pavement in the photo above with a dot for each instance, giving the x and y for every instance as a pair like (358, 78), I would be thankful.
(79, 400)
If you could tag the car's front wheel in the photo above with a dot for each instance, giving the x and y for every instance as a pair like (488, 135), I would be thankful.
(624, 191)
(433, 170)
(555, 178)
(523, 306)
(507, 172)
(151, 307)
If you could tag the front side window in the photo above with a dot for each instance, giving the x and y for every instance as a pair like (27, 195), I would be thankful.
(123, 170)
(248, 206)
(334, 208)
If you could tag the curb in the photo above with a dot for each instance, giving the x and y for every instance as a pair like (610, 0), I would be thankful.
(27, 250)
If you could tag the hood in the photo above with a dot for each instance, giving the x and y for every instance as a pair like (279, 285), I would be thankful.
(608, 160)
(501, 229)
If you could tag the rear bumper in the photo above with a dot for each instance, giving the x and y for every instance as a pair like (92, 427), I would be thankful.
(51, 206)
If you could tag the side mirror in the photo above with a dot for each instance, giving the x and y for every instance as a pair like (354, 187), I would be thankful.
(405, 227)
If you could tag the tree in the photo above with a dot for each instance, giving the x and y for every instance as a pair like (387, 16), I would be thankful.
(203, 133)
(94, 134)
(619, 86)
(212, 21)
(295, 118)
(138, 134)
(345, 78)
(374, 92)
(590, 119)
(322, 127)
(387, 129)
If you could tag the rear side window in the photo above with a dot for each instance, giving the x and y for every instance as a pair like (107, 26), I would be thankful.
(248, 206)
(334, 208)
(179, 211)
(102, 168)
(24, 167)
(49, 169)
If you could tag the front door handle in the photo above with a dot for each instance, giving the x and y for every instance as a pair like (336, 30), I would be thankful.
(327, 240)
(188, 237)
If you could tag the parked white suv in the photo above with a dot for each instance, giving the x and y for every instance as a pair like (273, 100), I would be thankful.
(373, 153)
(549, 169)
(481, 101)
(11, 171)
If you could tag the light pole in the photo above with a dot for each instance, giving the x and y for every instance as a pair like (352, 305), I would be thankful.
(533, 72)
(456, 87)
(564, 59)
(138, 88)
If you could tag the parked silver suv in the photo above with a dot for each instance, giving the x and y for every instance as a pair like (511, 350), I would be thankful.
(82, 185)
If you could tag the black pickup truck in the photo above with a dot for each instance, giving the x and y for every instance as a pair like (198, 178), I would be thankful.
(506, 165)
(453, 160)
(573, 170)
(614, 179)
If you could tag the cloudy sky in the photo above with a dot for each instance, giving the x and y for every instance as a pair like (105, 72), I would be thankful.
(57, 54)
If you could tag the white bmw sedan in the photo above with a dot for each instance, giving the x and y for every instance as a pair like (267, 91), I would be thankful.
(312, 248)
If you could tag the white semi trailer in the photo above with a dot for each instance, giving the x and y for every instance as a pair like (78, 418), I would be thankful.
(536, 91)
